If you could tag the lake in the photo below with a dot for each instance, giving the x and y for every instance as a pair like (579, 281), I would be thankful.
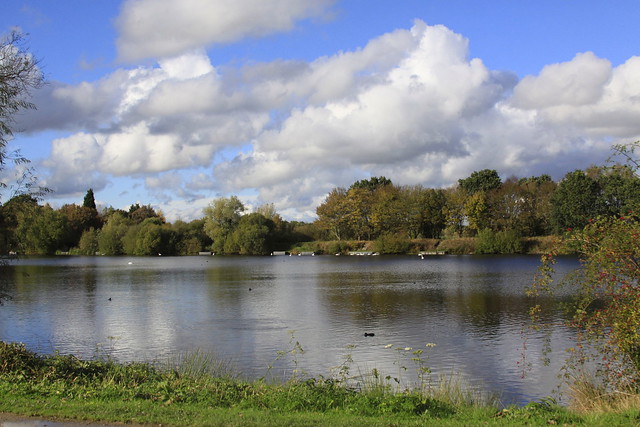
(252, 310)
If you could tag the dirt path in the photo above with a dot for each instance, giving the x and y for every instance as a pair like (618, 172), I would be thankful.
(12, 420)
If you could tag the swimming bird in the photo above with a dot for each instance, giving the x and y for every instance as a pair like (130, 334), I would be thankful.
(369, 334)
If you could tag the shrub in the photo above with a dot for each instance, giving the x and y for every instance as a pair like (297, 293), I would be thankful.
(459, 246)
(392, 244)
(606, 309)
(501, 242)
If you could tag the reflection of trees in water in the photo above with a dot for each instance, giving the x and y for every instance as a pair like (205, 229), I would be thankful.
(478, 300)
(228, 284)
(364, 296)
(37, 282)
(6, 274)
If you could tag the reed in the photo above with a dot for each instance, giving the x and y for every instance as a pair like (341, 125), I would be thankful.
(199, 364)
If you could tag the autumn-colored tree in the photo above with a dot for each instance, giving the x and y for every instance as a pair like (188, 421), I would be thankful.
(334, 214)
(477, 211)
(387, 211)
(455, 210)
(79, 219)
(138, 213)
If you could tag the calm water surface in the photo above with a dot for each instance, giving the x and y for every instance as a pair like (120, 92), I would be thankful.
(247, 309)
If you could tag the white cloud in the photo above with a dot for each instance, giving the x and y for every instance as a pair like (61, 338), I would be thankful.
(166, 28)
(187, 65)
(586, 96)
(578, 82)
(410, 105)
(410, 113)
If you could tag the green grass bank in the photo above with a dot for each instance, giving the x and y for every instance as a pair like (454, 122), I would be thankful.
(63, 387)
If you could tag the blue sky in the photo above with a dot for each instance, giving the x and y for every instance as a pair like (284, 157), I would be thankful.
(175, 103)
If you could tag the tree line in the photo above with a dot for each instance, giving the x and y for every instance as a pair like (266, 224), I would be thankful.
(498, 213)
(481, 205)
(27, 227)
(482, 202)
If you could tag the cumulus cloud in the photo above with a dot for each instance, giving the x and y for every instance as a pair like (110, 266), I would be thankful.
(411, 112)
(143, 120)
(166, 28)
(586, 95)
(577, 82)
(410, 105)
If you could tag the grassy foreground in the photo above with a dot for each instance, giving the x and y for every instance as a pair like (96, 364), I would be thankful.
(64, 387)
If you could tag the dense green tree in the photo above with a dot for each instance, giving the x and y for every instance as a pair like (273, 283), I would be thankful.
(535, 215)
(40, 230)
(88, 244)
(106, 213)
(284, 233)
(190, 237)
(484, 180)
(89, 200)
(575, 201)
(537, 180)
(304, 232)
(253, 235)
(110, 237)
(619, 190)
(221, 218)
(9, 213)
(150, 237)
(372, 183)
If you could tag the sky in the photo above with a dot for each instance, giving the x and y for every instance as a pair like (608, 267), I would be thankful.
(177, 103)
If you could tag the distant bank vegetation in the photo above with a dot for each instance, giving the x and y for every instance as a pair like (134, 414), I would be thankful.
(481, 214)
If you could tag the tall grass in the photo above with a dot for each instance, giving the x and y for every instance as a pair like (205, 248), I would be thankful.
(198, 364)
(197, 389)
(587, 396)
